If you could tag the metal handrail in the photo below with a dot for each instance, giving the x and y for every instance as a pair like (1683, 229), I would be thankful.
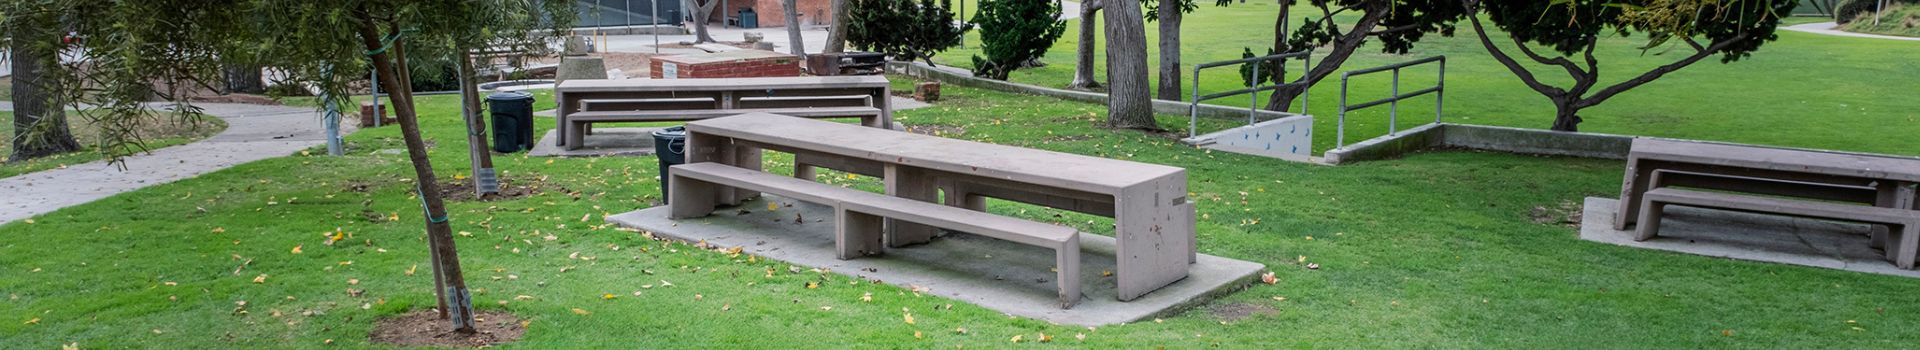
(1393, 109)
(1253, 103)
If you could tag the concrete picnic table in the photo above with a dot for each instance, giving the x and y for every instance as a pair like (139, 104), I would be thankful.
(1153, 218)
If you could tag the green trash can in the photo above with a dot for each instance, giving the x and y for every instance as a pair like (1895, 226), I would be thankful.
(512, 121)
(670, 146)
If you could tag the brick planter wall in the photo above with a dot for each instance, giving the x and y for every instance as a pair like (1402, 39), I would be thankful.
(729, 64)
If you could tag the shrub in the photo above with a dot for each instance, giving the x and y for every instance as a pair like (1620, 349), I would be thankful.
(903, 29)
(1851, 10)
(1013, 32)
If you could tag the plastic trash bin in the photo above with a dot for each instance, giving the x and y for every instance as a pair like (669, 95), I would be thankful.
(512, 121)
(670, 146)
(749, 19)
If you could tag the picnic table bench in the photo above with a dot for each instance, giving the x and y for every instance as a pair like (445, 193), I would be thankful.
(1873, 189)
(1153, 217)
(583, 102)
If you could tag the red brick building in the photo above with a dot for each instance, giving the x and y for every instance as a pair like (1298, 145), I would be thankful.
(772, 14)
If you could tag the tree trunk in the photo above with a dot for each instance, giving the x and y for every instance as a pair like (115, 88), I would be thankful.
(484, 181)
(837, 30)
(1129, 98)
(702, 15)
(39, 119)
(1169, 20)
(1083, 63)
(798, 47)
(245, 79)
(1565, 115)
(459, 303)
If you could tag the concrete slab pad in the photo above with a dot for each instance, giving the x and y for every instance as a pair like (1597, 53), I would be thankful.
(603, 142)
(1746, 236)
(1011, 278)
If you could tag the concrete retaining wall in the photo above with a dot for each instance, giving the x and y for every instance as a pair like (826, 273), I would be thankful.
(921, 70)
(1488, 138)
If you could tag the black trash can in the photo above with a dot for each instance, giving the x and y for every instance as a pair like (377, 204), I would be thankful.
(512, 121)
(670, 146)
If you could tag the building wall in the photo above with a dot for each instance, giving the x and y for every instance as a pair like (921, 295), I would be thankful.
(772, 14)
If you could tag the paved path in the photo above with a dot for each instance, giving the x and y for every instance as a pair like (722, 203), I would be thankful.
(253, 132)
(1827, 28)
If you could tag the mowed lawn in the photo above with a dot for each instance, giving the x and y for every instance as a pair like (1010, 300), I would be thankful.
(1804, 90)
(1440, 250)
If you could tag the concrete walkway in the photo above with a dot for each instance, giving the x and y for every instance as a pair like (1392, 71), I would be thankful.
(253, 132)
(1827, 28)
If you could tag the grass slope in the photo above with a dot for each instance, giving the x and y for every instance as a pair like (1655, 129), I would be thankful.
(1435, 250)
(159, 133)
(1804, 90)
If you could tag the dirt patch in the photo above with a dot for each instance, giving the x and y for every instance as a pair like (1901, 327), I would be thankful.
(937, 130)
(510, 188)
(1066, 138)
(1237, 311)
(426, 328)
(1567, 213)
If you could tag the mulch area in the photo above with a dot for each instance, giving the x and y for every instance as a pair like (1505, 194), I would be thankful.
(426, 328)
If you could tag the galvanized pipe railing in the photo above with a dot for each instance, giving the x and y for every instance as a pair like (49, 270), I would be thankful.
(1393, 103)
(1253, 103)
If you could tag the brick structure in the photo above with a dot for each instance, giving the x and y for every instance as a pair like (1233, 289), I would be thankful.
(772, 14)
(728, 64)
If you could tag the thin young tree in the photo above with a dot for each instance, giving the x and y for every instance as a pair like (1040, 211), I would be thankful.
(1397, 24)
(795, 44)
(328, 45)
(837, 29)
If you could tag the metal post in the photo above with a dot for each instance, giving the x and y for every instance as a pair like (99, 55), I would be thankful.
(1193, 108)
(332, 120)
(1306, 67)
(628, 11)
(1340, 138)
(1254, 101)
(1440, 96)
(656, 24)
(1393, 106)
(378, 113)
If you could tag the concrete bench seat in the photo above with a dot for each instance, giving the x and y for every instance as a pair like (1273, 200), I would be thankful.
(578, 122)
(1905, 223)
(860, 215)
(1065, 241)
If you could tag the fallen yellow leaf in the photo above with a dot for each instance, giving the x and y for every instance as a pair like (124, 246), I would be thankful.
(578, 311)
(219, 230)
(1016, 338)
(296, 248)
(260, 279)
(608, 296)
(909, 318)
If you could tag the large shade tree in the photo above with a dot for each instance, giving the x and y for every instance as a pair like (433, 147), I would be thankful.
(1686, 30)
(1129, 96)
(34, 42)
(327, 45)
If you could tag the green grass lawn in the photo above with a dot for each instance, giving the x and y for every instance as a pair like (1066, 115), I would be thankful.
(1804, 90)
(1437, 250)
(160, 134)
